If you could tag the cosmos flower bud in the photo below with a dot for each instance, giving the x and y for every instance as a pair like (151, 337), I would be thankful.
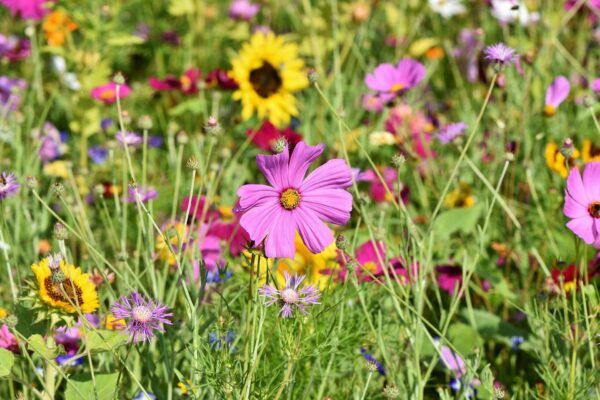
(212, 126)
(341, 242)
(589, 101)
(57, 189)
(313, 76)
(119, 79)
(60, 232)
(567, 148)
(280, 145)
(183, 138)
(126, 117)
(145, 122)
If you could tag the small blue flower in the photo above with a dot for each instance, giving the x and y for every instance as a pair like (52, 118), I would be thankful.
(372, 359)
(516, 342)
(98, 154)
(217, 341)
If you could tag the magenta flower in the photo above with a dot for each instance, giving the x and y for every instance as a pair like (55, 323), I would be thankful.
(27, 9)
(449, 278)
(107, 93)
(557, 93)
(390, 81)
(291, 298)
(143, 316)
(8, 341)
(595, 86)
(146, 194)
(378, 191)
(8, 185)
(243, 10)
(582, 203)
(372, 102)
(450, 132)
(500, 54)
(291, 202)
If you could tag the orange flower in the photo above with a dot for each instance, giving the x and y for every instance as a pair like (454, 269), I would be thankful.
(56, 27)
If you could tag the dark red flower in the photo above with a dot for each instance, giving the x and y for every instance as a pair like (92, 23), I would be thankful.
(267, 134)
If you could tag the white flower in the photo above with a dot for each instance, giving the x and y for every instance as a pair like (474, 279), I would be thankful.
(447, 8)
(509, 11)
(71, 81)
(381, 138)
(59, 64)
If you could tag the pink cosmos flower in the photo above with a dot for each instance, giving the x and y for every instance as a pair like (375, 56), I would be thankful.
(291, 202)
(370, 256)
(27, 9)
(8, 341)
(595, 86)
(378, 192)
(413, 129)
(243, 10)
(582, 203)
(556, 93)
(390, 81)
(372, 102)
(107, 93)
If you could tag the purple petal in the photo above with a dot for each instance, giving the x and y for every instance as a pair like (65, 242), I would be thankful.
(558, 91)
(330, 205)
(576, 189)
(280, 240)
(591, 181)
(381, 79)
(254, 195)
(275, 168)
(257, 221)
(573, 209)
(315, 234)
(410, 72)
(334, 174)
(584, 228)
(300, 160)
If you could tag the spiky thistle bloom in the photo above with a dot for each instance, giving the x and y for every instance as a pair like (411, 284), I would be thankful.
(143, 316)
(8, 185)
(290, 298)
(500, 54)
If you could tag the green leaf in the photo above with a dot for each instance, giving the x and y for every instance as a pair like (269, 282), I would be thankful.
(28, 325)
(181, 7)
(7, 360)
(464, 338)
(192, 106)
(37, 344)
(459, 219)
(493, 327)
(81, 387)
(104, 340)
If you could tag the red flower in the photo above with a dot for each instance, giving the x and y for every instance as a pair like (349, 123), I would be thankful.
(267, 134)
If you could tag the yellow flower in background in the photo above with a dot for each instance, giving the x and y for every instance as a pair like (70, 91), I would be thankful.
(113, 324)
(268, 72)
(175, 232)
(64, 286)
(58, 169)
(460, 197)
(590, 152)
(56, 28)
(556, 161)
(316, 267)
(3, 313)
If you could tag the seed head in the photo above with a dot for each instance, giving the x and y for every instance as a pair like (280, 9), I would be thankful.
(398, 160)
(391, 392)
(32, 182)
(119, 79)
(279, 145)
(313, 76)
(193, 163)
(212, 126)
(57, 189)
(60, 232)
(145, 122)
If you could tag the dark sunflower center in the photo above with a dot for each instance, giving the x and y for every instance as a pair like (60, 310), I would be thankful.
(594, 209)
(57, 293)
(265, 80)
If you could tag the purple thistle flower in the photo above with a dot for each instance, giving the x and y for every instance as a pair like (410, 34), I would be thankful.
(144, 316)
(8, 185)
(450, 132)
(290, 298)
(500, 54)
(129, 138)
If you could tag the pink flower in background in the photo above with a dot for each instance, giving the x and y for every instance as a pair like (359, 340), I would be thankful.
(556, 93)
(582, 203)
(198, 209)
(186, 84)
(449, 278)
(595, 86)
(107, 93)
(500, 54)
(378, 191)
(390, 81)
(412, 128)
(265, 137)
(371, 255)
(243, 10)
(372, 102)
(451, 132)
(291, 202)
(8, 341)
(27, 9)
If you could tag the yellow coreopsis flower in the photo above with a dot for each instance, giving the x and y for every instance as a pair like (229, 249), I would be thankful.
(589, 152)
(556, 161)
(64, 286)
(268, 72)
(460, 197)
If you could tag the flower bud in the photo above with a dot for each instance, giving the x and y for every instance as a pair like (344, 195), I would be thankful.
(57, 189)
(567, 149)
(119, 79)
(60, 232)
(341, 242)
(279, 145)
(145, 122)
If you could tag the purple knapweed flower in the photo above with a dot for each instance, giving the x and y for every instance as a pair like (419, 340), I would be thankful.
(143, 316)
(450, 132)
(129, 138)
(500, 54)
(290, 298)
(8, 185)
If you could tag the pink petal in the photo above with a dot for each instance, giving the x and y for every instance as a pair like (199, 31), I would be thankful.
(280, 240)
(275, 168)
(591, 181)
(251, 195)
(381, 78)
(331, 205)
(334, 174)
(584, 228)
(257, 221)
(573, 209)
(315, 234)
(300, 160)
(409, 72)
(576, 189)
(558, 91)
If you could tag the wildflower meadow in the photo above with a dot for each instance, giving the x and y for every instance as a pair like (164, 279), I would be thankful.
(299, 199)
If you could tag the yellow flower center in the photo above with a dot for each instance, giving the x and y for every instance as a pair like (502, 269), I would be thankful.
(107, 94)
(265, 80)
(290, 198)
(396, 87)
(594, 209)
(549, 110)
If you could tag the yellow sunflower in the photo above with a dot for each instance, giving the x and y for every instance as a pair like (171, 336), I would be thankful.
(268, 72)
(556, 161)
(318, 268)
(590, 152)
(67, 289)
(461, 197)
